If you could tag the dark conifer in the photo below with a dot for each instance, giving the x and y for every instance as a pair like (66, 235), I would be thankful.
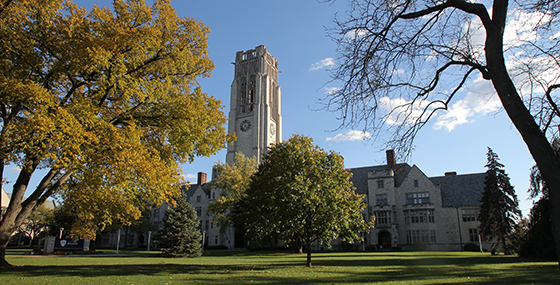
(539, 241)
(180, 236)
(499, 211)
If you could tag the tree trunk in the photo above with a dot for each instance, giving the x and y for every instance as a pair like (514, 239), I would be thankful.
(536, 141)
(3, 244)
(308, 263)
(9, 224)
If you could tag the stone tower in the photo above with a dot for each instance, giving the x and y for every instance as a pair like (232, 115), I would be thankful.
(255, 104)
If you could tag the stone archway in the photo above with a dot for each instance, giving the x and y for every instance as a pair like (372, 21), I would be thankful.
(384, 240)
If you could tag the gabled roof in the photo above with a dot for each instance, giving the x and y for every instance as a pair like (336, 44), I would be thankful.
(189, 192)
(360, 175)
(460, 190)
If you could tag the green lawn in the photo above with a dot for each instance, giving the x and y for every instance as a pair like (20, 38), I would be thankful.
(283, 268)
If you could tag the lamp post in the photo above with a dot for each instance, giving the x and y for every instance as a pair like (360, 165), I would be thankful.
(118, 239)
(203, 239)
(60, 235)
(149, 239)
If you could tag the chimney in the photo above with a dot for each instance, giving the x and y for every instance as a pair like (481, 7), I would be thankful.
(391, 159)
(451, 173)
(202, 178)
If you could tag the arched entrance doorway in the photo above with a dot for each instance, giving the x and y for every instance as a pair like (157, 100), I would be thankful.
(384, 240)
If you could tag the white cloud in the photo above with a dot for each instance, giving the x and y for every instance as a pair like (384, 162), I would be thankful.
(432, 56)
(327, 62)
(331, 90)
(351, 135)
(356, 34)
(458, 114)
(481, 99)
(189, 177)
(521, 27)
(400, 111)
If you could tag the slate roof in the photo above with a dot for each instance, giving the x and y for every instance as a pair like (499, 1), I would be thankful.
(189, 192)
(360, 175)
(460, 190)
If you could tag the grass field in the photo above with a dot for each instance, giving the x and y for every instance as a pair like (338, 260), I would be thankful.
(223, 267)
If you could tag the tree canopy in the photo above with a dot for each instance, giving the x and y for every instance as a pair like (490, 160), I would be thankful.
(233, 181)
(302, 194)
(106, 102)
(404, 62)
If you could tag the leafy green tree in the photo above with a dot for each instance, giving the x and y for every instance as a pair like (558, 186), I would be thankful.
(234, 181)
(36, 223)
(180, 235)
(302, 194)
(402, 63)
(106, 102)
(499, 211)
(60, 219)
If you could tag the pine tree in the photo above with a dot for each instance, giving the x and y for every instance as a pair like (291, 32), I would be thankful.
(500, 208)
(180, 236)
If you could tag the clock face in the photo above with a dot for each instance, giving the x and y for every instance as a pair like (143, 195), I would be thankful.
(245, 125)
(272, 129)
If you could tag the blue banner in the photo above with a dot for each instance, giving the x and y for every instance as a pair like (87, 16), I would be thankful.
(68, 245)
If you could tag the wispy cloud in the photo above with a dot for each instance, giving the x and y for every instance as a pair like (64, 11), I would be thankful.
(351, 135)
(399, 111)
(325, 63)
(330, 90)
(189, 177)
(356, 34)
(480, 100)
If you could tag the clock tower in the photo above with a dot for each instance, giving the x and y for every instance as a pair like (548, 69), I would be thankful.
(254, 114)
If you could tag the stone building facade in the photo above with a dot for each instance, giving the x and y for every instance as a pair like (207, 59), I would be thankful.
(415, 212)
(412, 211)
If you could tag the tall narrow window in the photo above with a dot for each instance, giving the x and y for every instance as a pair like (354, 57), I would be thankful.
(419, 216)
(251, 97)
(473, 235)
(383, 218)
(243, 96)
(380, 184)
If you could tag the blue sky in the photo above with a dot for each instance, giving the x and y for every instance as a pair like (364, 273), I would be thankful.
(294, 32)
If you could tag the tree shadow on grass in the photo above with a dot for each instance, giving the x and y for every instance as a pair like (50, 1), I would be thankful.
(328, 269)
(437, 268)
(132, 269)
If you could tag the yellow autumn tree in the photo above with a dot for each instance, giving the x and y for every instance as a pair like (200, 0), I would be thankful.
(105, 103)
